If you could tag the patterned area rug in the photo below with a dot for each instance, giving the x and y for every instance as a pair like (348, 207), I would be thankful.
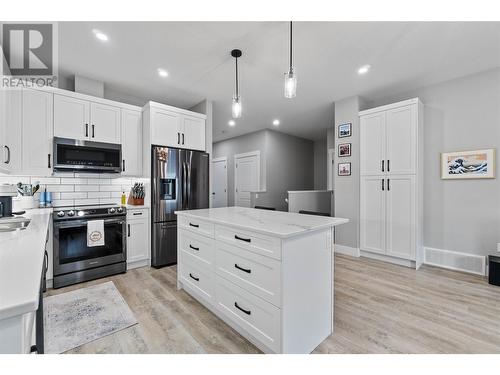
(74, 318)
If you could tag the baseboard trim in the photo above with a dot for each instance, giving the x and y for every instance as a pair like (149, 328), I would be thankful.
(347, 250)
(456, 261)
(389, 259)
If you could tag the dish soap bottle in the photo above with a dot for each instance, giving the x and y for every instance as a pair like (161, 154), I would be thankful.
(124, 198)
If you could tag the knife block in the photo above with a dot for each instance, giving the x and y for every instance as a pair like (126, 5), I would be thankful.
(135, 201)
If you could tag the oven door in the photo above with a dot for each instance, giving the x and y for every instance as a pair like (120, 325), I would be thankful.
(71, 253)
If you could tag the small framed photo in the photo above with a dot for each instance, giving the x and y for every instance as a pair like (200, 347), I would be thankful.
(344, 150)
(468, 164)
(345, 130)
(344, 169)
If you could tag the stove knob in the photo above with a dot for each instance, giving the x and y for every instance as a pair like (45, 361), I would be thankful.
(112, 210)
(120, 209)
(60, 213)
(71, 213)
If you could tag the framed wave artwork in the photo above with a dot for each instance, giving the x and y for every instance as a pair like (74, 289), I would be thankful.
(468, 164)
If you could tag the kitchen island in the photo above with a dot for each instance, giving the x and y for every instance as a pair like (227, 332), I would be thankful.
(268, 274)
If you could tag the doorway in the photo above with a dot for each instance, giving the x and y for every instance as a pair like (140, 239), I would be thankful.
(246, 177)
(219, 171)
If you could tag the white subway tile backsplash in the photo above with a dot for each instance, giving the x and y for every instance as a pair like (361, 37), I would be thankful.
(109, 201)
(46, 180)
(74, 195)
(98, 194)
(86, 187)
(62, 202)
(116, 194)
(121, 181)
(14, 179)
(104, 181)
(60, 188)
(86, 202)
(110, 188)
(74, 181)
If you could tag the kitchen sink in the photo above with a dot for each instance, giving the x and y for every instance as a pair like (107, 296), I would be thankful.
(13, 224)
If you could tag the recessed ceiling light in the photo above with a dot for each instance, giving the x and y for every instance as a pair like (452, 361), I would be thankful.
(100, 35)
(276, 122)
(364, 69)
(231, 123)
(162, 73)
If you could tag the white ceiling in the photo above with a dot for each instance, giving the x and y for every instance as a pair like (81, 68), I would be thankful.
(403, 56)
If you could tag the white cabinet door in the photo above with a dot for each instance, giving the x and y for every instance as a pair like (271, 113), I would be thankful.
(165, 128)
(372, 144)
(372, 220)
(71, 117)
(246, 177)
(401, 138)
(131, 133)
(104, 123)
(193, 136)
(12, 134)
(137, 240)
(4, 165)
(401, 205)
(37, 132)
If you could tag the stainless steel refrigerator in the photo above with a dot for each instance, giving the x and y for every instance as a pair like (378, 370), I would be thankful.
(179, 181)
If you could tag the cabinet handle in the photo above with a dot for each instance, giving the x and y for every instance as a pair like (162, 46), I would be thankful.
(182, 138)
(388, 165)
(34, 349)
(248, 312)
(242, 269)
(194, 248)
(242, 239)
(194, 225)
(383, 184)
(93, 132)
(137, 213)
(8, 154)
(178, 138)
(48, 164)
(388, 184)
(123, 165)
(46, 254)
(128, 227)
(382, 166)
(193, 277)
(86, 130)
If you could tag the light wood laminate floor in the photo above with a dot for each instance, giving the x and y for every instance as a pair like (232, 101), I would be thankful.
(379, 308)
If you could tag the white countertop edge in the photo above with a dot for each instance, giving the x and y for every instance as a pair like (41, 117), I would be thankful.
(338, 221)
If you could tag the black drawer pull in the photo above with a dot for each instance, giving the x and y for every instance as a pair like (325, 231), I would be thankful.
(242, 269)
(248, 312)
(34, 349)
(194, 225)
(194, 278)
(382, 166)
(194, 248)
(137, 213)
(242, 239)
(388, 166)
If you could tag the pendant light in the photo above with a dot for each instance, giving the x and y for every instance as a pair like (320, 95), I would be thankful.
(290, 76)
(236, 106)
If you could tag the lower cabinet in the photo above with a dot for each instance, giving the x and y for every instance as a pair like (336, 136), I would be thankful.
(137, 238)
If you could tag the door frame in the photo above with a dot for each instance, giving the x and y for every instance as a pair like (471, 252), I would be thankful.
(218, 160)
(331, 169)
(244, 155)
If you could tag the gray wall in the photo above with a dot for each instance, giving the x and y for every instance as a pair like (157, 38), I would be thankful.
(287, 162)
(462, 114)
(320, 163)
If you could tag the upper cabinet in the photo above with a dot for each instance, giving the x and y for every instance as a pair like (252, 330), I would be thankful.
(131, 133)
(81, 119)
(173, 127)
(10, 130)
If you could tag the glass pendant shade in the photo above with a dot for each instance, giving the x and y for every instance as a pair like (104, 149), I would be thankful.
(290, 84)
(236, 107)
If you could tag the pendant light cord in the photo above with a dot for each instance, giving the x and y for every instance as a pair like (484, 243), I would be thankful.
(291, 46)
(237, 91)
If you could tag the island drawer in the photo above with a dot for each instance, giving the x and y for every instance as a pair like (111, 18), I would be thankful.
(252, 241)
(133, 214)
(196, 226)
(198, 247)
(255, 273)
(197, 279)
(254, 315)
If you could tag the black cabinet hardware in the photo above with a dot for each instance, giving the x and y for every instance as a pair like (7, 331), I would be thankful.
(248, 312)
(178, 138)
(8, 154)
(48, 164)
(383, 184)
(34, 349)
(388, 184)
(123, 165)
(194, 225)
(194, 248)
(137, 213)
(128, 227)
(193, 277)
(242, 269)
(388, 166)
(242, 239)
(382, 166)
(86, 130)
(182, 138)
(93, 132)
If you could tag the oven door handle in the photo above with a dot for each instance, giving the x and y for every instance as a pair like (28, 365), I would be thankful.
(83, 223)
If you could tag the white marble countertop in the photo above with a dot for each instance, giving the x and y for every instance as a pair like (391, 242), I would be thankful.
(275, 223)
(21, 262)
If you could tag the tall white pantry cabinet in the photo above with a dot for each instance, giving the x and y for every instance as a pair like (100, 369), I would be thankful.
(391, 182)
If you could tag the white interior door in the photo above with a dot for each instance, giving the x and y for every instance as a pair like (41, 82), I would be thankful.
(372, 144)
(372, 221)
(401, 130)
(401, 205)
(219, 176)
(246, 177)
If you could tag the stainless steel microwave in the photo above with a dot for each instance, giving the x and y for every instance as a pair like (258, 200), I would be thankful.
(80, 155)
